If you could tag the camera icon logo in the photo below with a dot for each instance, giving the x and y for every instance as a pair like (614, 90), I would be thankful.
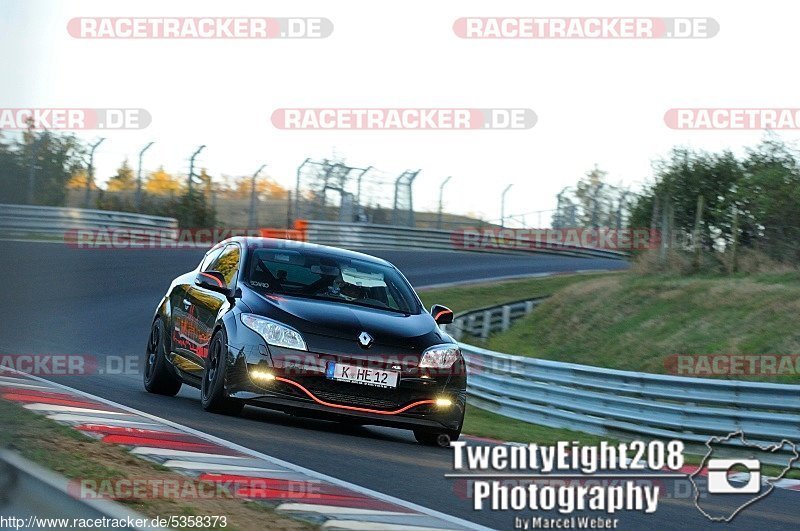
(718, 482)
(747, 478)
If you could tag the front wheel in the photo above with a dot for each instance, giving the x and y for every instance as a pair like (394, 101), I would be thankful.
(157, 377)
(212, 389)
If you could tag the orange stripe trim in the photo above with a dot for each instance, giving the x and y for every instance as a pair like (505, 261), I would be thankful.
(212, 277)
(435, 317)
(352, 408)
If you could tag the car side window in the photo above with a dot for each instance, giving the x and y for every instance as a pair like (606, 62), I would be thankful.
(209, 258)
(227, 263)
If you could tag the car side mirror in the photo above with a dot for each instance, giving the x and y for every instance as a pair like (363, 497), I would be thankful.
(442, 314)
(212, 280)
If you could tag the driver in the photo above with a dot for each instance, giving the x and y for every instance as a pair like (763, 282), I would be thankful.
(339, 287)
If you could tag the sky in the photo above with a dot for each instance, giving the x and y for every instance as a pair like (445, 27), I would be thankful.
(597, 101)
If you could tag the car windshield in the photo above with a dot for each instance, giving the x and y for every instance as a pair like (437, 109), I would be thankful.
(345, 280)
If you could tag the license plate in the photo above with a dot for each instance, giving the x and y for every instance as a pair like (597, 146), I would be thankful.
(361, 375)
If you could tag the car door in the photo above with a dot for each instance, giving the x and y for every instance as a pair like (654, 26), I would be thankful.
(185, 324)
(204, 305)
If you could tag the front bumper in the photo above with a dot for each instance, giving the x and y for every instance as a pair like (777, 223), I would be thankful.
(298, 385)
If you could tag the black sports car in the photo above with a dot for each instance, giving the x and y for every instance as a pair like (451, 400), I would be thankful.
(309, 330)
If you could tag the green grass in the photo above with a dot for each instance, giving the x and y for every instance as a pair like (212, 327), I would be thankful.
(632, 322)
(483, 423)
(29, 434)
(471, 296)
(77, 456)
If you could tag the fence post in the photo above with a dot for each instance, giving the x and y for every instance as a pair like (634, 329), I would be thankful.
(487, 324)
(666, 229)
(734, 239)
(506, 318)
(698, 220)
(458, 329)
(471, 324)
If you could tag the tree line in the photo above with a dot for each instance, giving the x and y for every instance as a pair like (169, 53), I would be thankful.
(706, 205)
(42, 168)
(720, 202)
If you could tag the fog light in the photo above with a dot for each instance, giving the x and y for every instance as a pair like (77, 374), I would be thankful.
(263, 376)
(443, 402)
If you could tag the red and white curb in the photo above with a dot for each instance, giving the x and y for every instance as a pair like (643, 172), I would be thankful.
(788, 484)
(334, 504)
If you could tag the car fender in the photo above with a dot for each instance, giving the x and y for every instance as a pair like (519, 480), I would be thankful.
(164, 311)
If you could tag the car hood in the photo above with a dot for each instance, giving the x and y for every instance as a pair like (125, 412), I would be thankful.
(346, 321)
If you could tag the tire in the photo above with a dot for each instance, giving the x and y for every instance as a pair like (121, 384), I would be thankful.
(440, 438)
(212, 388)
(158, 379)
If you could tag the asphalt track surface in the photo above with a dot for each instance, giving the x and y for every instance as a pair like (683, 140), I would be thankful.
(58, 300)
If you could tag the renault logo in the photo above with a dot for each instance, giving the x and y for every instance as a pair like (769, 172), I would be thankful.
(365, 339)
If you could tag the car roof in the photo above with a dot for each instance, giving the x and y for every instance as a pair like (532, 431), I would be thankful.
(254, 243)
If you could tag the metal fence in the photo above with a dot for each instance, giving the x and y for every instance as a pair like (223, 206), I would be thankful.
(369, 236)
(484, 321)
(31, 493)
(55, 222)
(623, 404)
(331, 190)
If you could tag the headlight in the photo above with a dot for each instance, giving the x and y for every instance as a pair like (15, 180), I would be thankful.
(440, 356)
(274, 333)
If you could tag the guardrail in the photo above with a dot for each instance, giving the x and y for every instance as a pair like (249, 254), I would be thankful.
(27, 220)
(364, 236)
(484, 321)
(54, 222)
(33, 495)
(626, 404)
